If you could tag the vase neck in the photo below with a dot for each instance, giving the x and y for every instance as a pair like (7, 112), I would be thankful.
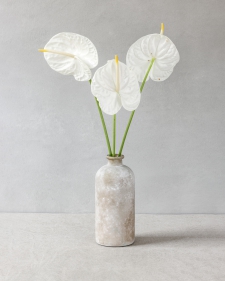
(115, 161)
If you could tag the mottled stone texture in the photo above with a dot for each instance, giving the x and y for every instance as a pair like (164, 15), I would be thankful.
(114, 204)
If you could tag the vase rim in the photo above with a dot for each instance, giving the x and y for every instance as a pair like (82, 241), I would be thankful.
(116, 157)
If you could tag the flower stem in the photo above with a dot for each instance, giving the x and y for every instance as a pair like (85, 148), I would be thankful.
(132, 113)
(103, 125)
(146, 75)
(126, 131)
(114, 136)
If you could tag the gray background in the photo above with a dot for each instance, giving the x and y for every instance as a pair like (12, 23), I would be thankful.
(51, 141)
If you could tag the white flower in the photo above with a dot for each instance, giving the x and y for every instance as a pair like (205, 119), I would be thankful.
(114, 86)
(153, 46)
(71, 54)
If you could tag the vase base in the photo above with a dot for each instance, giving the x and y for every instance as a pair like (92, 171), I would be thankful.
(120, 245)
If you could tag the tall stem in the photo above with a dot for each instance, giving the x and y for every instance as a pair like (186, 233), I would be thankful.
(114, 136)
(103, 125)
(126, 131)
(146, 75)
(132, 113)
(114, 116)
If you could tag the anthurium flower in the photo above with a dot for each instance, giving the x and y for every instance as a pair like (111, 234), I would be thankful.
(114, 86)
(156, 47)
(71, 54)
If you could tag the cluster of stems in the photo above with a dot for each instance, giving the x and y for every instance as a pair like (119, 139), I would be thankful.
(111, 152)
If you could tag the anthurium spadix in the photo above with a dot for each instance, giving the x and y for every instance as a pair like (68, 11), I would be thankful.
(115, 85)
(154, 48)
(71, 54)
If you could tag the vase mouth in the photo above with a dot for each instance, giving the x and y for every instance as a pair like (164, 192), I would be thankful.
(116, 157)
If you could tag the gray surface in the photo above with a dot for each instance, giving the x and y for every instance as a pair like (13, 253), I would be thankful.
(61, 247)
(51, 141)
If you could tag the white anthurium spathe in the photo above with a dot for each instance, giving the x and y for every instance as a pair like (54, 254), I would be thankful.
(115, 85)
(156, 47)
(71, 54)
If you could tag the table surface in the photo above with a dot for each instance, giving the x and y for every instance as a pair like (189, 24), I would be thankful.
(61, 247)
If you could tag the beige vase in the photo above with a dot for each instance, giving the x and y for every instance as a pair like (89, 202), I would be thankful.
(114, 204)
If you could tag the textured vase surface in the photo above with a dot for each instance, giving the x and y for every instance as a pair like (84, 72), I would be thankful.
(114, 204)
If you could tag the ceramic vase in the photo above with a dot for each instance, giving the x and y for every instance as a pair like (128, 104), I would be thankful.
(114, 204)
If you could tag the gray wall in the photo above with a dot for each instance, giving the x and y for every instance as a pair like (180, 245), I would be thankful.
(51, 141)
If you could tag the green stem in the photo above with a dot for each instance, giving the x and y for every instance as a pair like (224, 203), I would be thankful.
(103, 125)
(126, 131)
(132, 113)
(114, 136)
(146, 75)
